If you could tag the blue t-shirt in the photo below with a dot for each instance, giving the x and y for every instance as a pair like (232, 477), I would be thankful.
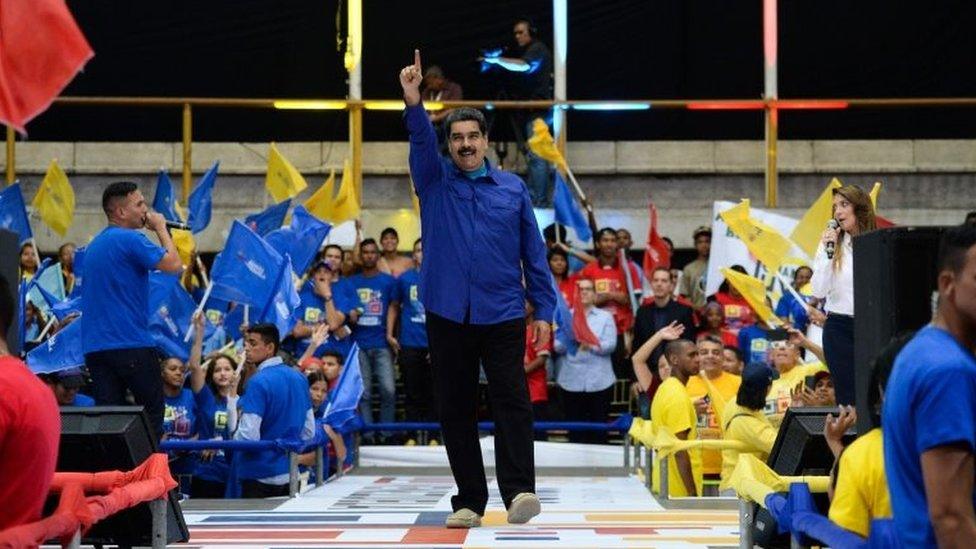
(312, 311)
(82, 401)
(754, 344)
(375, 294)
(929, 402)
(280, 396)
(180, 423)
(413, 317)
(213, 426)
(115, 298)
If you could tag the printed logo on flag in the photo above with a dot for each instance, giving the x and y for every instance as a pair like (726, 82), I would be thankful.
(214, 316)
(312, 315)
(255, 268)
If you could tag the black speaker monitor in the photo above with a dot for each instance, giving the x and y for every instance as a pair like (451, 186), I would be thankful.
(800, 447)
(894, 281)
(110, 438)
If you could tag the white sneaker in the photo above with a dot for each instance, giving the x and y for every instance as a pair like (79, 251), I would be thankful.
(525, 506)
(463, 518)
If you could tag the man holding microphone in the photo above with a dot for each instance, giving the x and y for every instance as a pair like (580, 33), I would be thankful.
(480, 240)
(119, 350)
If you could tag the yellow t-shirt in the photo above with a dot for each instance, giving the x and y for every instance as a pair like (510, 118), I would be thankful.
(862, 489)
(749, 426)
(780, 394)
(720, 391)
(672, 410)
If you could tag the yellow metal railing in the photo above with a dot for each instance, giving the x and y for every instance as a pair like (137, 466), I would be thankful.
(355, 109)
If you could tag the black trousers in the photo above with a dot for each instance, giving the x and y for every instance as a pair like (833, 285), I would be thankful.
(251, 489)
(138, 371)
(622, 366)
(456, 351)
(838, 344)
(588, 407)
(200, 489)
(418, 384)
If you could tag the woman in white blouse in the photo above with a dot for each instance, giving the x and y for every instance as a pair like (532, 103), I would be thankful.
(833, 279)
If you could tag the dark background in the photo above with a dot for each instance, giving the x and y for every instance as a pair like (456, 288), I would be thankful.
(621, 49)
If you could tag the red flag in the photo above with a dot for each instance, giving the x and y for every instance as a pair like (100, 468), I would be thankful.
(581, 329)
(41, 50)
(656, 252)
(882, 222)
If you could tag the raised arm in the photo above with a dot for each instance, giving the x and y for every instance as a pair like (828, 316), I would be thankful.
(170, 263)
(643, 353)
(198, 374)
(425, 159)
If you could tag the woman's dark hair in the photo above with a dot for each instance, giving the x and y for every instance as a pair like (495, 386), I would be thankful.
(724, 288)
(752, 396)
(315, 376)
(556, 251)
(881, 371)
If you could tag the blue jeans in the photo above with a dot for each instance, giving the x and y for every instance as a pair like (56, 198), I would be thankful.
(378, 362)
(538, 174)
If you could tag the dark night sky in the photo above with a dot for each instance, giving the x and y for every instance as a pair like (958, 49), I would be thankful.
(618, 50)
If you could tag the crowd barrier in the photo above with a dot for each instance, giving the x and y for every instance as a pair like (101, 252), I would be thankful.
(77, 512)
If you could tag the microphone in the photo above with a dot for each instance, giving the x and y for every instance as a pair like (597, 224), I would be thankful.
(829, 247)
(185, 227)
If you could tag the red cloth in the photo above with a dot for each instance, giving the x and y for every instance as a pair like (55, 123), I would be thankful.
(41, 50)
(536, 379)
(30, 430)
(611, 279)
(581, 328)
(568, 288)
(883, 222)
(656, 252)
(738, 313)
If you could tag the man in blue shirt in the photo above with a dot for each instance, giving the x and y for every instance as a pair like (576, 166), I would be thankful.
(929, 412)
(481, 240)
(119, 350)
(375, 291)
(276, 405)
(411, 346)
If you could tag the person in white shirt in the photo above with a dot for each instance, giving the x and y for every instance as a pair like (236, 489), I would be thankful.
(833, 279)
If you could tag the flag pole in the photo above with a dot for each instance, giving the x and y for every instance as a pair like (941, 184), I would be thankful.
(203, 272)
(47, 327)
(199, 309)
(625, 265)
(583, 200)
(247, 311)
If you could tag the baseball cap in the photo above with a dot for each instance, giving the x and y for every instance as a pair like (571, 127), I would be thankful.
(321, 263)
(72, 378)
(704, 229)
(758, 374)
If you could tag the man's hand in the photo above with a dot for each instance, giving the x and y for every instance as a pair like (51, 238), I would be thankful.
(410, 78)
(323, 286)
(393, 343)
(701, 405)
(541, 332)
(320, 334)
(155, 221)
(671, 332)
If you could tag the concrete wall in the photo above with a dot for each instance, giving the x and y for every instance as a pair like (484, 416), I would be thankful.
(925, 182)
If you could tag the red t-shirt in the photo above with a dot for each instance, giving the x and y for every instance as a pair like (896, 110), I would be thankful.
(536, 379)
(612, 279)
(738, 313)
(568, 288)
(30, 430)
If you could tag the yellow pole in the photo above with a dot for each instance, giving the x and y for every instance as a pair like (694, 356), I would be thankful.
(356, 148)
(11, 173)
(187, 151)
(772, 179)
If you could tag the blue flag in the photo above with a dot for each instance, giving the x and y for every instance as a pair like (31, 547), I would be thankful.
(268, 219)
(165, 202)
(247, 269)
(79, 268)
(568, 213)
(563, 320)
(283, 302)
(170, 312)
(340, 412)
(60, 352)
(201, 200)
(60, 307)
(49, 280)
(301, 240)
(13, 213)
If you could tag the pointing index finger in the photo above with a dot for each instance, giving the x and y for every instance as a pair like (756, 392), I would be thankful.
(416, 59)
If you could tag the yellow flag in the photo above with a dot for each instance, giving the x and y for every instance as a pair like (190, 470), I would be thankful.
(283, 180)
(808, 231)
(320, 203)
(874, 195)
(183, 240)
(754, 292)
(543, 145)
(55, 199)
(762, 240)
(346, 204)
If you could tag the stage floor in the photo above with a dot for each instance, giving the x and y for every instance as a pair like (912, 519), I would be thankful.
(377, 510)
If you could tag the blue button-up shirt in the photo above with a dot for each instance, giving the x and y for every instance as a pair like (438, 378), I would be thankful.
(590, 371)
(480, 238)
